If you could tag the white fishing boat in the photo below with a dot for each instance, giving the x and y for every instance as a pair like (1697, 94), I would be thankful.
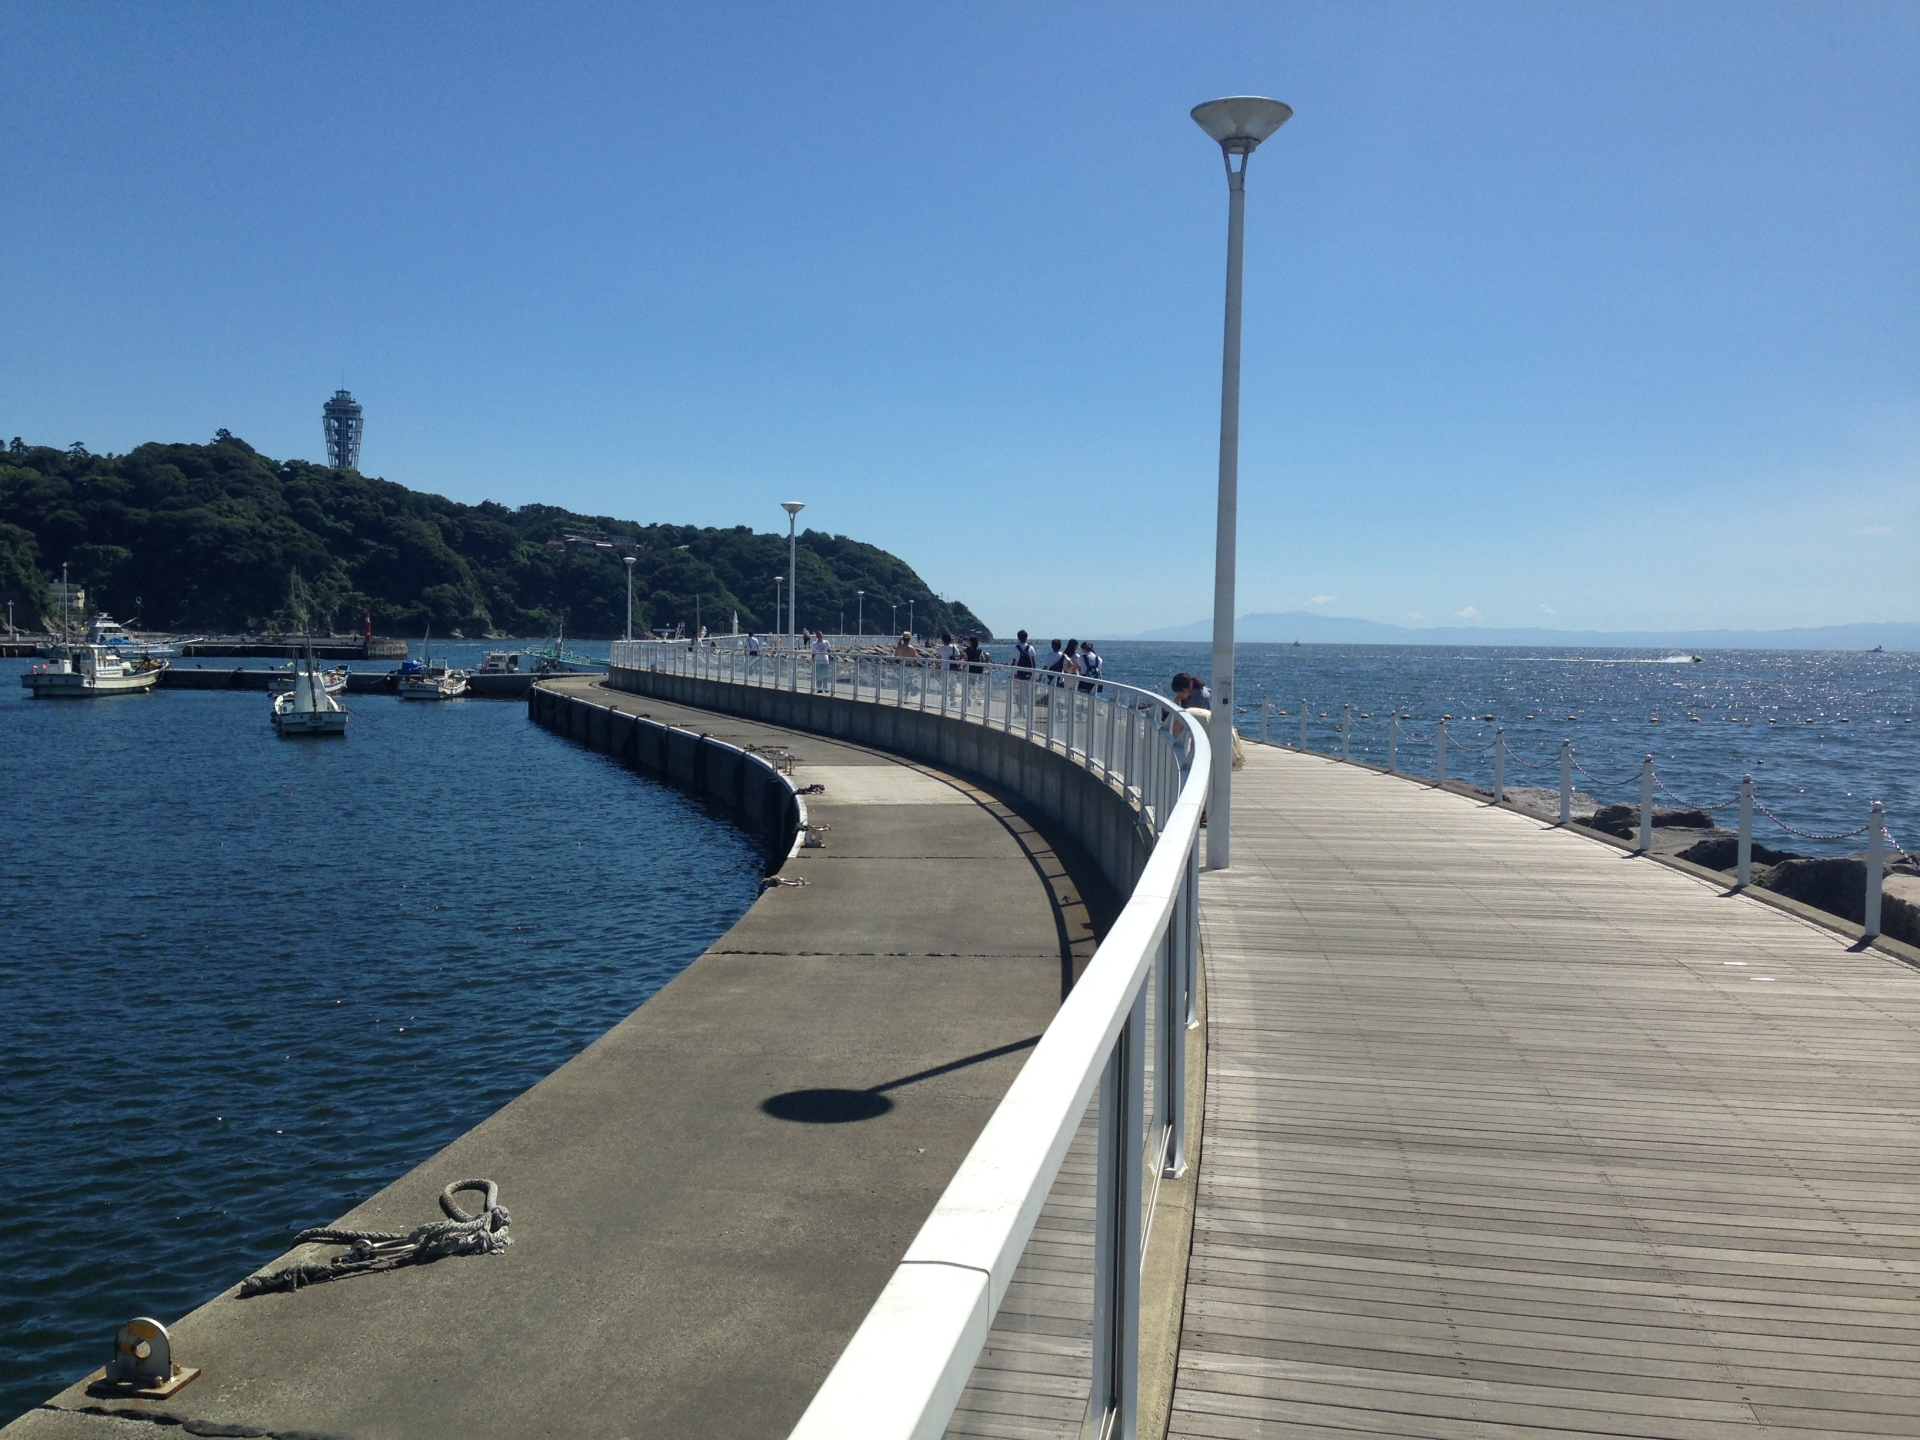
(307, 707)
(500, 662)
(428, 681)
(433, 683)
(283, 678)
(81, 671)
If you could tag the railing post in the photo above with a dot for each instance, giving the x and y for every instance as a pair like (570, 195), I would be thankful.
(1646, 805)
(1263, 717)
(1303, 723)
(1170, 1068)
(1393, 742)
(1566, 781)
(1193, 936)
(1440, 756)
(1499, 764)
(1743, 865)
(1876, 864)
(1346, 732)
(1116, 1249)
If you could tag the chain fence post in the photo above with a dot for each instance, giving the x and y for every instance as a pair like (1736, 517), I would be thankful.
(1876, 863)
(1646, 805)
(1566, 781)
(1499, 764)
(1346, 730)
(1393, 742)
(1440, 756)
(1743, 872)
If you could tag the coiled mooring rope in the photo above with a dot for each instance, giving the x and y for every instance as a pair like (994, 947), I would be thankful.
(459, 1234)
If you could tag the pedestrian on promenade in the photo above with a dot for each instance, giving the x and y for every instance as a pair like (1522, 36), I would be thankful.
(1024, 664)
(1060, 665)
(949, 663)
(977, 659)
(822, 662)
(1092, 665)
(753, 653)
(1189, 693)
(906, 650)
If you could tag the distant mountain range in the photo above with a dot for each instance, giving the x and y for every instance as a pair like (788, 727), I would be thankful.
(1286, 626)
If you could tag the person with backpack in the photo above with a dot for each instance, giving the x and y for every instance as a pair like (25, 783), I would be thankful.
(1059, 665)
(1092, 663)
(1024, 663)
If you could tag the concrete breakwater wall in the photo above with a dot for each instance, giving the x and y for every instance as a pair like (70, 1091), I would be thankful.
(748, 785)
(1088, 808)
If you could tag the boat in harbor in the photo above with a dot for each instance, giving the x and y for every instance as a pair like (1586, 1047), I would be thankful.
(285, 676)
(307, 706)
(555, 659)
(500, 662)
(84, 671)
(425, 680)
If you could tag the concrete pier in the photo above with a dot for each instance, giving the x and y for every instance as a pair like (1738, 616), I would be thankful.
(706, 1201)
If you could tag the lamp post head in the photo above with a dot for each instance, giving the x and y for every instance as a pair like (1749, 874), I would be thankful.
(1241, 122)
(793, 507)
(628, 560)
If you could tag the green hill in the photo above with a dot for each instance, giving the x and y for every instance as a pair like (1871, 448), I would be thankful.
(206, 537)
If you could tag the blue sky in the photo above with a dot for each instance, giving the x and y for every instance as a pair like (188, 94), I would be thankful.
(1600, 315)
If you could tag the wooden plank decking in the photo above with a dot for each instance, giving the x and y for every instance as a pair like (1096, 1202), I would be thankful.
(1511, 1135)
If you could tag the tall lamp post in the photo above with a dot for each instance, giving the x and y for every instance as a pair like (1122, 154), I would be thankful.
(1239, 123)
(862, 612)
(793, 509)
(629, 564)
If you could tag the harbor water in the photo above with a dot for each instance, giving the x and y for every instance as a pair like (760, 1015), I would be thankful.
(249, 981)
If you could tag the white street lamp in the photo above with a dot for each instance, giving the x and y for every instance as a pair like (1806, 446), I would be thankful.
(1239, 123)
(793, 509)
(862, 612)
(628, 562)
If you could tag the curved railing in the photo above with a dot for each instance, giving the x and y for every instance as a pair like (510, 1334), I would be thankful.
(908, 1365)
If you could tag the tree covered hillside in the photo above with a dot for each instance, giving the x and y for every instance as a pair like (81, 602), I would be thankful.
(207, 537)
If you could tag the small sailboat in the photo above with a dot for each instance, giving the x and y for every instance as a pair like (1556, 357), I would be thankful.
(307, 707)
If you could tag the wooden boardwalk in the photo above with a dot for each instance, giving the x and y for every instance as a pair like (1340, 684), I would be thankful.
(1511, 1135)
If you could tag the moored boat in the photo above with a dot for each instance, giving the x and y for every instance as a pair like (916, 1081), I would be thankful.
(307, 706)
(84, 671)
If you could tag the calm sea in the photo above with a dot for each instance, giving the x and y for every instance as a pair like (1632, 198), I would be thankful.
(1822, 732)
(249, 981)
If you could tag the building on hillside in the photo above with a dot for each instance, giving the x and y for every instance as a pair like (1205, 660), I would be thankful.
(342, 423)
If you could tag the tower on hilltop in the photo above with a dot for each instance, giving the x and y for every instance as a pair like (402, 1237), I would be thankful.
(341, 421)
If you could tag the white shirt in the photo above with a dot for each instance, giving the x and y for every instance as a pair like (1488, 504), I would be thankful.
(821, 649)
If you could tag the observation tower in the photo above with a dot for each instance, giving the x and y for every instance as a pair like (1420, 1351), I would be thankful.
(340, 420)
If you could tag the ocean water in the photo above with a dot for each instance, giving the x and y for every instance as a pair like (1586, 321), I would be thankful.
(1823, 733)
(249, 981)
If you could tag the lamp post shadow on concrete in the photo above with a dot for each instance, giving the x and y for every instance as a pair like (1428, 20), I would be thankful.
(1239, 123)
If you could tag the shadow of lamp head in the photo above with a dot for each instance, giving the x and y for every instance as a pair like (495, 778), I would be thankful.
(827, 1107)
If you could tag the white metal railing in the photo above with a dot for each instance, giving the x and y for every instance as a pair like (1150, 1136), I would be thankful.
(908, 1364)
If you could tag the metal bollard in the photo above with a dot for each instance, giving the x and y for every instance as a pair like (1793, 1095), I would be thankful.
(1440, 756)
(1566, 782)
(1346, 730)
(1303, 723)
(1876, 863)
(1499, 764)
(1393, 742)
(1743, 871)
(1263, 717)
(1646, 805)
